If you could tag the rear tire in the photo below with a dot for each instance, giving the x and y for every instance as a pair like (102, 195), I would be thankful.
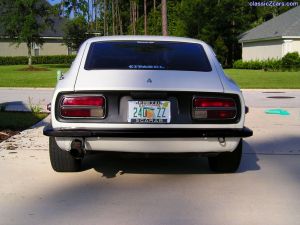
(227, 162)
(61, 160)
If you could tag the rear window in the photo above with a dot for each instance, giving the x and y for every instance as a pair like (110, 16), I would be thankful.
(147, 55)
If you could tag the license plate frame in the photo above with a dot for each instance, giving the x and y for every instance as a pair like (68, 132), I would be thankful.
(149, 111)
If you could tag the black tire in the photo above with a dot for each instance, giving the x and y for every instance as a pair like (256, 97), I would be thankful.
(227, 162)
(62, 161)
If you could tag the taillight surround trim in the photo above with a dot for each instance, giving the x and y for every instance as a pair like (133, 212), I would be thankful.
(116, 105)
(63, 96)
(236, 108)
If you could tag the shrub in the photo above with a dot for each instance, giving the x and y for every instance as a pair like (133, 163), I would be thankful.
(252, 64)
(269, 64)
(16, 60)
(53, 59)
(291, 60)
(47, 59)
(238, 64)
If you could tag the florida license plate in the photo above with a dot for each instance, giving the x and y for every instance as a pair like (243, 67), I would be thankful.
(149, 112)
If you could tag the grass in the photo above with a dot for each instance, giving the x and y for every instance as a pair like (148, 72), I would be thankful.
(264, 79)
(12, 76)
(19, 120)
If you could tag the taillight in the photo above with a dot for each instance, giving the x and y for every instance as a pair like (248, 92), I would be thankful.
(211, 108)
(82, 107)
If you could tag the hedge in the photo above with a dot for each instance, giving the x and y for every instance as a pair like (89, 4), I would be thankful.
(291, 61)
(47, 59)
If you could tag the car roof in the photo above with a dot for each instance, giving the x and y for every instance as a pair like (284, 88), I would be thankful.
(144, 38)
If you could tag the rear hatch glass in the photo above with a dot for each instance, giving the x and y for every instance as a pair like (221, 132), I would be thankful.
(147, 55)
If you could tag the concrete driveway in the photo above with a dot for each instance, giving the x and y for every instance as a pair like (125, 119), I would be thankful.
(179, 191)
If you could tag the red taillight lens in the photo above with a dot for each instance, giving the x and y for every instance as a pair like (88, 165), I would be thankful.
(84, 101)
(214, 108)
(213, 102)
(82, 106)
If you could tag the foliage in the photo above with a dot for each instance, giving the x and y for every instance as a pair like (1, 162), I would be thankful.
(25, 20)
(75, 7)
(75, 32)
(53, 59)
(13, 60)
(35, 108)
(45, 59)
(291, 60)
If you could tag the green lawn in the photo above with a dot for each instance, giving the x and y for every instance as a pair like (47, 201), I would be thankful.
(11, 77)
(264, 80)
(19, 120)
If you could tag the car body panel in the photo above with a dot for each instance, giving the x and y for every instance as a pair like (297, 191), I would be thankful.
(153, 145)
(139, 80)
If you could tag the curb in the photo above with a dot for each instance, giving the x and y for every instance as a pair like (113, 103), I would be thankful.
(26, 88)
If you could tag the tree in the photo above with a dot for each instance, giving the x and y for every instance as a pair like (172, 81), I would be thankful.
(75, 32)
(24, 21)
(164, 17)
(145, 17)
(105, 25)
(77, 7)
(134, 15)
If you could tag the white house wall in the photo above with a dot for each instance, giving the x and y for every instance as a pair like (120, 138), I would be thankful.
(295, 46)
(53, 48)
(262, 50)
(7, 49)
(50, 47)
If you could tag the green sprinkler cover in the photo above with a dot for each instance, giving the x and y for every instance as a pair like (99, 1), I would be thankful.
(281, 112)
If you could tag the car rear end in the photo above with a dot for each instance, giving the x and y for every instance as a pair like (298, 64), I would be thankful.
(147, 95)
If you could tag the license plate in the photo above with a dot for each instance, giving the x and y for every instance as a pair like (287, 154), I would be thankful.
(149, 112)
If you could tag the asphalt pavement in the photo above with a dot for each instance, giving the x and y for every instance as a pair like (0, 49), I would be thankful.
(115, 190)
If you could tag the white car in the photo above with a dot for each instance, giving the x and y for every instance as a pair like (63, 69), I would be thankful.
(146, 94)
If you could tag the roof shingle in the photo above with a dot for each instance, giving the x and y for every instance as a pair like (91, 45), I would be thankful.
(286, 24)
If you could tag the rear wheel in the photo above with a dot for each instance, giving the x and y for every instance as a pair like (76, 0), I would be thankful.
(61, 160)
(227, 162)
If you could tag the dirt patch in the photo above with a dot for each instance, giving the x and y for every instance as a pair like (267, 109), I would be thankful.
(5, 134)
(33, 68)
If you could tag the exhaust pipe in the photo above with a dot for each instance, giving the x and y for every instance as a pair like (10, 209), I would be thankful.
(77, 149)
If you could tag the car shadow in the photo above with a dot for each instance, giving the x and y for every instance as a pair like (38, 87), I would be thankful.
(112, 164)
(249, 160)
(15, 108)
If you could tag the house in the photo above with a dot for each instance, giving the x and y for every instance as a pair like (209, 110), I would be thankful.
(53, 44)
(274, 38)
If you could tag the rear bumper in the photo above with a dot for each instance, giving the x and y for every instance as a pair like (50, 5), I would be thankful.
(149, 133)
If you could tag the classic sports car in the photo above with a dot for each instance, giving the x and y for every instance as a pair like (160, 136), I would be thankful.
(146, 94)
